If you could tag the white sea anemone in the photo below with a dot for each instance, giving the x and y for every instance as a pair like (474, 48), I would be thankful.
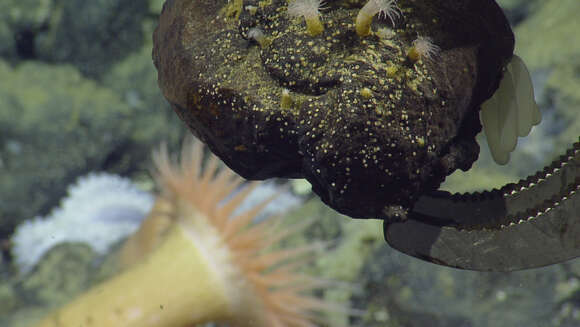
(310, 9)
(258, 35)
(423, 48)
(99, 210)
(384, 8)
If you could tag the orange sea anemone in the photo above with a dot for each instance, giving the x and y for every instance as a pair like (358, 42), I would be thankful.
(209, 265)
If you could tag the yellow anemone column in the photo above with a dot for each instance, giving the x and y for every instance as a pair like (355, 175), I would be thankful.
(174, 286)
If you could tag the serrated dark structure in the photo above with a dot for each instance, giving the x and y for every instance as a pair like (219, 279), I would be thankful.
(532, 223)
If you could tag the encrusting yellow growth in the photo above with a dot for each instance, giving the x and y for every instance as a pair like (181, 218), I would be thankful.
(387, 8)
(310, 9)
(205, 262)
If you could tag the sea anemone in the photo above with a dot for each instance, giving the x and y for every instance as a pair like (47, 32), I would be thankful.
(386, 8)
(258, 35)
(210, 264)
(423, 48)
(310, 9)
(111, 205)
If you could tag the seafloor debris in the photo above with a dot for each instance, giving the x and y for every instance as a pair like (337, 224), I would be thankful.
(370, 128)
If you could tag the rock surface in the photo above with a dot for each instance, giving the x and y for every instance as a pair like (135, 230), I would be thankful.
(369, 128)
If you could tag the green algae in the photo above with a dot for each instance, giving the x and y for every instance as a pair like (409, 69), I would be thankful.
(54, 125)
(352, 243)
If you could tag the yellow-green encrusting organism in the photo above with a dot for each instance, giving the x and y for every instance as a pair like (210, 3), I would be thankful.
(310, 9)
(196, 260)
(387, 8)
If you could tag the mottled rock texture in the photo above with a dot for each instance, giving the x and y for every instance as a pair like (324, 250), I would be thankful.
(369, 128)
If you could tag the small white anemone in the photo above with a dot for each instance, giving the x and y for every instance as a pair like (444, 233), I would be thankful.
(100, 210)
(310, 9)
(423, 48)
(384, 8)
(299, 8)
(256, 34)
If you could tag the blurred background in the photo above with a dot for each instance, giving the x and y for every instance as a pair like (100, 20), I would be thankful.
(80, 113)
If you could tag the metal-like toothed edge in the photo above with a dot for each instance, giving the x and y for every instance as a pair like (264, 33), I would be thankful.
(511, 190)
